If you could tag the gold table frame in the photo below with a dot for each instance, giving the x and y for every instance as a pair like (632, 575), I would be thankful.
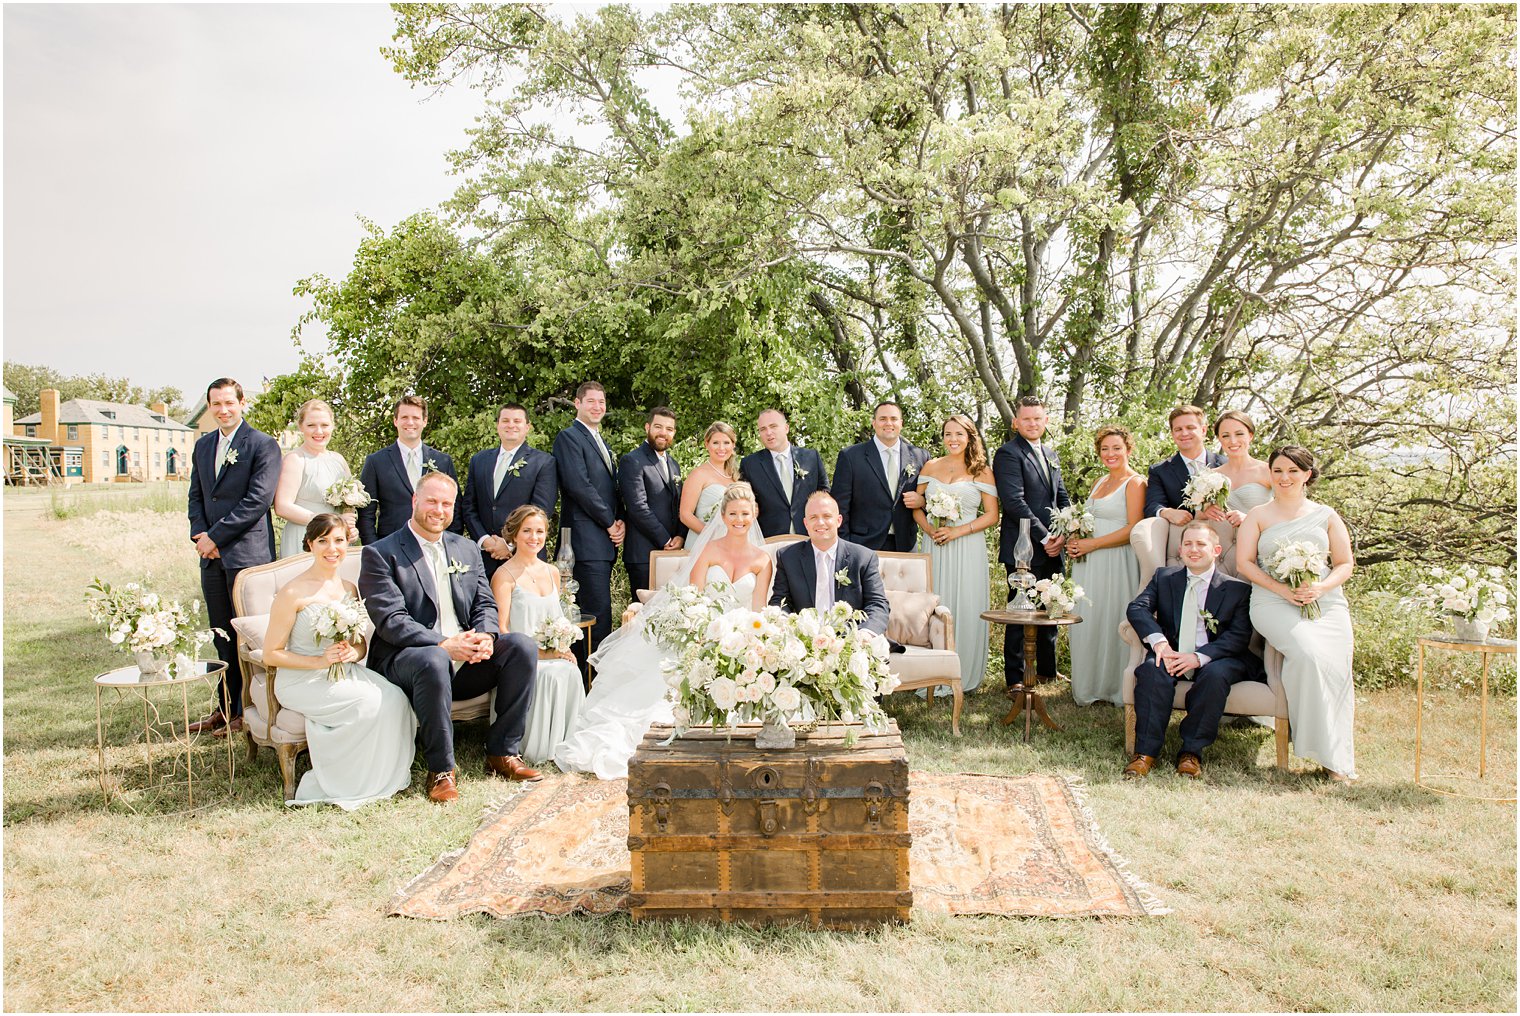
(129, 679)
(1489, 649)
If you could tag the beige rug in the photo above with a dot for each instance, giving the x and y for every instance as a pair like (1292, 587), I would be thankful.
(1024, 846)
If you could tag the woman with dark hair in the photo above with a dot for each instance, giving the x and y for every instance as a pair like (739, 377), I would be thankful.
(527, 595)
(360, 728)
(1308, 623)
(957, 543)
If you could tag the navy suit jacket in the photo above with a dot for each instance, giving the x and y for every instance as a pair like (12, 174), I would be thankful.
(486, 510)
(869, 502)
(390, 491)
(233, 508)
(397, 586)
(797, 579)
(1026, 494)
(651, 505)
(589, 491)
(1158, 608)
(1166, 480)
(779, 514)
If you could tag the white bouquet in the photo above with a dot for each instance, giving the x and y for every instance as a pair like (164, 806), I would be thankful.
(347, 493)
(147, 623)
(1470, 594)
(1073, 520)
(681, 617)
(1058, 595)
(1205, 489)
(1299, 562)
(557, 635)
(942, 507)
(342, 620)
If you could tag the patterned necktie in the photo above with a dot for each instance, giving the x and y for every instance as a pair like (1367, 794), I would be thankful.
(503, 460)
(414, 465)
(1192, 466)
(223, 445)
(1187, 626)
(448, 620)
(784, 473)
(1039, 456)
(602, 448)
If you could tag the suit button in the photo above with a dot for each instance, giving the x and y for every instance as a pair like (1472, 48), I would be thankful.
(215, 498)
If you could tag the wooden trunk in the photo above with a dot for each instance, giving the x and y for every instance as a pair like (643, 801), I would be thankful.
(719, 830)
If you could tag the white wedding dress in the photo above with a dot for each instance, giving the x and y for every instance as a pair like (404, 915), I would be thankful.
(629, 692)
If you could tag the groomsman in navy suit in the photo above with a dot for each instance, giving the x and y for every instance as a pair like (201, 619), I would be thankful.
(826, 569)
(235, 471)
(1164, 486)
(649, 479)
(876, 485)
(391, 474)
(437, 636)
(503, 479)
(783, 476)
(592, 511)
(1028, 479)
(1197, 622)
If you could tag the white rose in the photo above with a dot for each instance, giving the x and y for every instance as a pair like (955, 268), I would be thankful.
(766, 683)
(724, 693)
(118, 636)
(732, 643)
(786, 698)
(860, 665)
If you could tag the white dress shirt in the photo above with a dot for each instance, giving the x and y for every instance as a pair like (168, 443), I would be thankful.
(437, 560)
(411, 458)
(1200, 628)
(224, 442)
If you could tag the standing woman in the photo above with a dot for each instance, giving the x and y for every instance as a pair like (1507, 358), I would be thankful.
(1250, 479)
(957, 547)
(308, 470)
(1105, 567)
(1316, 651)
(527, 594)
(705, 485)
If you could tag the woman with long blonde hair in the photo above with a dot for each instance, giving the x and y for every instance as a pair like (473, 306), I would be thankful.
(306, 473)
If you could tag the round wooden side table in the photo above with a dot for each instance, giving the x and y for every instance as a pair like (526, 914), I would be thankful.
(1024, 698)
(1489, 649)
(127, 680)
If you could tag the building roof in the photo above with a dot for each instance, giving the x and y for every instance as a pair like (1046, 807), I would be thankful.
(10, 396)
(120, 414)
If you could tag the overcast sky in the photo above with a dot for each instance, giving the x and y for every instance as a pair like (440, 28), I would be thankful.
(171, 171)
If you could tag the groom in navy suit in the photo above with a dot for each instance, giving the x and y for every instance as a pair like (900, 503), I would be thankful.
(649, 479)
(592, 511)
(876, 485)
(1197, 622)
(235, 471)
(783, 475)
(390, 475)
(1167, 478)
(503, 479)
(437, 636)
(1029, 486)
(826, 569)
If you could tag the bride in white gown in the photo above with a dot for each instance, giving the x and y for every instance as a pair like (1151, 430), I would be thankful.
(728, 559)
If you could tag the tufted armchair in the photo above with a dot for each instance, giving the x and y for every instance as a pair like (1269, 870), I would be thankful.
(252, 596)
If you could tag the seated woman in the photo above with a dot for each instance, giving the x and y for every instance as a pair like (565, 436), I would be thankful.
(729, 560)
(527, 595)
(360, 729)
(1316, 650)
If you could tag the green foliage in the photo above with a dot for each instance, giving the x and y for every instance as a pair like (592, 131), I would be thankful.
(28, 380)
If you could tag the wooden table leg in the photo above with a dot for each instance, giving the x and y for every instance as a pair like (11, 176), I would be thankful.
(1024, 698)
(1419, 706)
(1483, 725)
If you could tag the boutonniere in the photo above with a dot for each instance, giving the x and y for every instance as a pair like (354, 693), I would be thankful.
(430, 465)
(516, 468)
(801, 473)
(1210, 622)
(842, 577)
(231, 459)
(457, 567)
(909, 469)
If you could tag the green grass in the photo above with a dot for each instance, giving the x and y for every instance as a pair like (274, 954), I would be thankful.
(1288, 892)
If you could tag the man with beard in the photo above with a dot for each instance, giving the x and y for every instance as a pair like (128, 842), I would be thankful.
(649, 480)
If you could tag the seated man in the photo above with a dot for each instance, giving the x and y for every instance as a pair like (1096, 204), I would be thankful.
(1197, 622)
(826, 569)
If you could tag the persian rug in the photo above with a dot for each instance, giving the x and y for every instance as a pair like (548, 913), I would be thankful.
(1013, 846)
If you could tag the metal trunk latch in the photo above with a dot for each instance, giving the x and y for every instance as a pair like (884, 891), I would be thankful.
(763, 779)
(661, 795)
(873, 795)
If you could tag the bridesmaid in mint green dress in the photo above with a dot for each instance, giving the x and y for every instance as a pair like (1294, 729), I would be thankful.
(1105, 567)
(957, 546)
(1250, 479)
(1317, 652)
(305, 474)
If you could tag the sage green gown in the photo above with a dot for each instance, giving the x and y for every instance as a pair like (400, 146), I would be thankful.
(558, 692)
(318, 472)
(960, 578)
(1110, 579)
(1247, 496)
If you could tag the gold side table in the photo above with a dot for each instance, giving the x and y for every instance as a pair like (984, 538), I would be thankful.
(1024, 698)
(1489, 649)
(130, 681)
(584, 623)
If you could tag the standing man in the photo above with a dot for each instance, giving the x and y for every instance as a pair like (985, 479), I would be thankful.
(592, 511)
(826, 569)
(783, 476)
(1028, 479)
(1164, 486)
(236, 470)
(503, 479)
(437, 636)
(876, 485)
(649, 480)
(391, 474)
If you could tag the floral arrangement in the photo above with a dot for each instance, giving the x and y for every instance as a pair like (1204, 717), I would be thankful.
(1058, 595)
(342, 620)
(681, 617)
(347, 493)
(1205, 489)
(1299, 562)
(744, 665)
(1073, 520)
(942, 506)
(1469, 594)
(146, 623)
(557, 635)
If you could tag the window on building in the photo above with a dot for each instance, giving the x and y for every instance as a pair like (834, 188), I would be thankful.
(73, 432)
(108, 414)
(31, 430)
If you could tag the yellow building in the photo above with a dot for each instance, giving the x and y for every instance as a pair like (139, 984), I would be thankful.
(92, 441)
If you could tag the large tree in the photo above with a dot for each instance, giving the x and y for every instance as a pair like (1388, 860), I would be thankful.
(28, 380)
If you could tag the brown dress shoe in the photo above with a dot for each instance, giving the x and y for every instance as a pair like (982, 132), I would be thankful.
(1139, 767)
(215, 721)
(232, 726)
(510, 767)
(441, 789)
(1189, 765)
